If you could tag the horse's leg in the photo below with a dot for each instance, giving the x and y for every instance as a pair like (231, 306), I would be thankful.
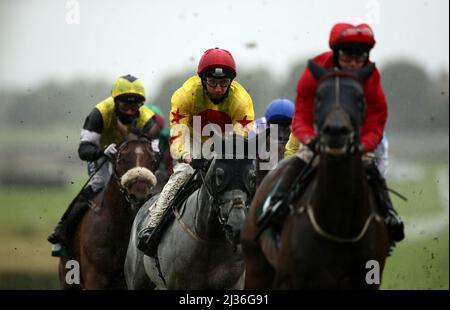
(240, 283)
(94, 280)
(259, 273)
(62, 274)
(135, 276)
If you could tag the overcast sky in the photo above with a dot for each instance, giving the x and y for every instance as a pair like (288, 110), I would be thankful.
(63, 39)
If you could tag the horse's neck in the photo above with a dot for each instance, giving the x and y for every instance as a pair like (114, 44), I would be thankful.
(206, 221)
(341, 201)
(117, 207)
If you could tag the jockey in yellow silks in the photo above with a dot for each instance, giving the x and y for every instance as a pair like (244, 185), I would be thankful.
(98, 140)
(216, 98)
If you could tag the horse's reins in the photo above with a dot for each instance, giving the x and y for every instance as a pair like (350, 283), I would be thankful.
(302, 176)
(178, 216)
(309, 210)
(186, 228)
(97, 169)
(320, 231)
(353, 146)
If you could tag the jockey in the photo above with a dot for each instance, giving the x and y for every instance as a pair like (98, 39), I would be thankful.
(216, 98)
(99, 137)
(279, 112)
(351, 41)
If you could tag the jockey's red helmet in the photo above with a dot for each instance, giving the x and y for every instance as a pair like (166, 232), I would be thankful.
(217, 62)
(350, 31)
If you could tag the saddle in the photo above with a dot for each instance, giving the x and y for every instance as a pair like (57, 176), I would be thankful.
(275, 208)
(183, 193)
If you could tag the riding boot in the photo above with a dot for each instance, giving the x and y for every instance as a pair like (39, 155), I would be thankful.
(148, 239)
(147, 242)
(276, 201)
(60, 234)
(392, 220)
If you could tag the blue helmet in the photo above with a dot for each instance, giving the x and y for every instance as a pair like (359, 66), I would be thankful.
(280, 110)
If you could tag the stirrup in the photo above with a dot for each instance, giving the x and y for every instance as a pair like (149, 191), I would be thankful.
(57, 250)
(395, 226)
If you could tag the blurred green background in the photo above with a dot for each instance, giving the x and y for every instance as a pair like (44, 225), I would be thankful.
(40, 171)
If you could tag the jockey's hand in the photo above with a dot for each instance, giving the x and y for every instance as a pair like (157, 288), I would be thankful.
(199, 163)
(187, 158)
(110, 151)
(313, 144)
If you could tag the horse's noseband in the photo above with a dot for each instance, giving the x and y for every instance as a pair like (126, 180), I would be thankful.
(130, 198)
(234, 199)
(230, 187)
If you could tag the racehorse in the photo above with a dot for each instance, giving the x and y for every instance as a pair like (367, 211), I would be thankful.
(326, 234)
(100, 239)
(200, 248)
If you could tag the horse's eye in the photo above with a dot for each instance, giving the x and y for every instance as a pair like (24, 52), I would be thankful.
(219, 176)
(319, 99)
(250, 181)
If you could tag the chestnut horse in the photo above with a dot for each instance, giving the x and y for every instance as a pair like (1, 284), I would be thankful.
(329, 233)
(100, 239)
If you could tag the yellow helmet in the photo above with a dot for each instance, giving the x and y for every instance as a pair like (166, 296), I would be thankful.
(128, 84)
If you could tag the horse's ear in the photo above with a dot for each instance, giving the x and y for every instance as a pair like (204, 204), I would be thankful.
(316, 70)
(365, 72)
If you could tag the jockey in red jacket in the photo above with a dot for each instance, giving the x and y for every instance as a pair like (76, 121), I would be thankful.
(350, 44)
(351, 41)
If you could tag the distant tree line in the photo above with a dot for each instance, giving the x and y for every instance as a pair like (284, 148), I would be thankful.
(416, 100)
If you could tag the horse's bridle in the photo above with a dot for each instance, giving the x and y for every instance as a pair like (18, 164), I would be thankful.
(130, 198)
(354, 145)
(216, 204)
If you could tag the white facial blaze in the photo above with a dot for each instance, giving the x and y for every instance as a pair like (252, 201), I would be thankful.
(139, 152)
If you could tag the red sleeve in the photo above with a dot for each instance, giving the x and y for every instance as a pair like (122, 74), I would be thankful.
(303, 121)
(376, 114)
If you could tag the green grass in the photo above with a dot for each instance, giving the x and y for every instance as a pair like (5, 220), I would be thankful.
(421, 261)
(27, 216)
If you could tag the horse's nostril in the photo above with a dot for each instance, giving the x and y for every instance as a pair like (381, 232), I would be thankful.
(336, 130)
(344, 131)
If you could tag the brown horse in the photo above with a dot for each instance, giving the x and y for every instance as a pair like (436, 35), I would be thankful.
(328, 232)
(100, 239)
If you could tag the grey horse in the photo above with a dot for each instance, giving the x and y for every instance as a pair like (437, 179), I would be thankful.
(200, 249)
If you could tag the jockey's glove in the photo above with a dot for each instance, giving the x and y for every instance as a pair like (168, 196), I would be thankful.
(313, 144)
(110, 151)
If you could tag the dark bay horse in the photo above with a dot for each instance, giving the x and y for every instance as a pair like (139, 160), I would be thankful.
(101, 237)
(331, 232)
(200, 248)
